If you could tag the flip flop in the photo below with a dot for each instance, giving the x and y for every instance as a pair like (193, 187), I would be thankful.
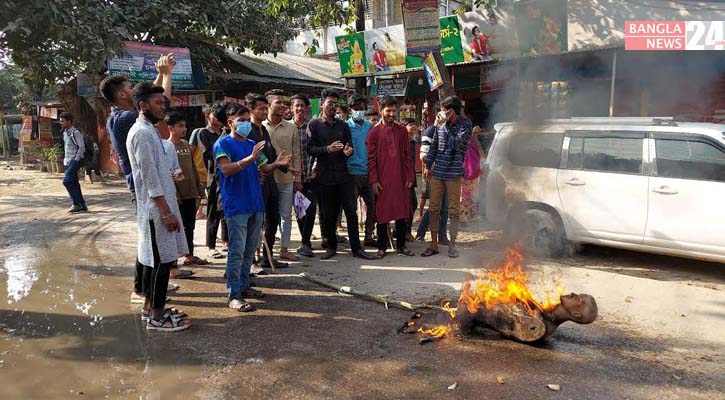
(200, 261)
(215, 254)
(172, 287)
(429, 252)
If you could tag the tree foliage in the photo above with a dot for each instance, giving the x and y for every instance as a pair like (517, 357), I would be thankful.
(52, 40)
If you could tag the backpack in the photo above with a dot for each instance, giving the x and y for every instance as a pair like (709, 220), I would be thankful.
(88, 143)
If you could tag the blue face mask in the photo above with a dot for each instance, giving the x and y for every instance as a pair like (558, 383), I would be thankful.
(358, 115)
(243, 128)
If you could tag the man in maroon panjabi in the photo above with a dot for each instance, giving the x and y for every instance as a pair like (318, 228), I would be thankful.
(390, 172)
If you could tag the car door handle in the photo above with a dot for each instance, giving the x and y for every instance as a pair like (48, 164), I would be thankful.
(665, 190)
(575, 182)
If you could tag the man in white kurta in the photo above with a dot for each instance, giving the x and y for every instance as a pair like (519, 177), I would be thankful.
(159, 246)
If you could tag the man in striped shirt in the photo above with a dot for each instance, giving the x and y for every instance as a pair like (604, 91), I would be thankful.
(444, 168)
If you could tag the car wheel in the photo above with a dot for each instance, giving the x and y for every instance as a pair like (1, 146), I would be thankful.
(538, 232)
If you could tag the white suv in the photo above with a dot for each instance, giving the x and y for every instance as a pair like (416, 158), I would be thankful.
(648, 184)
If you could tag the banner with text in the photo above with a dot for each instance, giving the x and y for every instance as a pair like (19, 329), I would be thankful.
(351, 54)
(139, 64)
(420, 21)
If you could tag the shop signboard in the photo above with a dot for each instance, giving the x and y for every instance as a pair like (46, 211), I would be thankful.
(385, 49)
(138, 63)
(392, 87)
(45, 130)
(235, 100)
(435, 80)
(49, 112)
(420, 21)
(194, 100)
(542, 26)
(351, 54)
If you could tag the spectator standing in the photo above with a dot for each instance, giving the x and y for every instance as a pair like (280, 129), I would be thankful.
(357, 164)
(330, 143)
(285, 139)
(306, 224)
(444, 167)
(74, 148)
(391, 176)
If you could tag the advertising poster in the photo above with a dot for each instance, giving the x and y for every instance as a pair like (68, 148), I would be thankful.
(49, 112)
(435, 80)
(420, 21)
(484, 40)
(139, 64)
(385, 49)
(451, 48)
(87, 85)
(351, 52)
(542, 26)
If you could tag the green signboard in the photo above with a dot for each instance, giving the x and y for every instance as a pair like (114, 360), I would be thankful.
(351, 51)
(451, 47)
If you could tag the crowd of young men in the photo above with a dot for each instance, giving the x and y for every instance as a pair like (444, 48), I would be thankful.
(254, 159)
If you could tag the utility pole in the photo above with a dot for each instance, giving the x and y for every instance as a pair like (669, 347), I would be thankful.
(360, 83)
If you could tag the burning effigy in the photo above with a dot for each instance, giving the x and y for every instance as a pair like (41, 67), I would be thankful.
(502, 300)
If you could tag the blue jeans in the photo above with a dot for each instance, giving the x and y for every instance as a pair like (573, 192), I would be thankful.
(244, 233)
(70, 181)
(285, 212)
(442, 224)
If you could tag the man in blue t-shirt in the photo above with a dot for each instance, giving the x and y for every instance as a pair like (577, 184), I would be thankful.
(239, 160)
(357, 164)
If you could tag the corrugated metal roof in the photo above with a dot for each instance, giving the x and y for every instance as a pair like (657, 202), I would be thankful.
(289, 66)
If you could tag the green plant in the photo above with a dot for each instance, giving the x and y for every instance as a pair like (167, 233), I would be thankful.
(54, 153)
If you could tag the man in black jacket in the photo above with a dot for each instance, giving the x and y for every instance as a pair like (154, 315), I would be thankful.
(330, 142)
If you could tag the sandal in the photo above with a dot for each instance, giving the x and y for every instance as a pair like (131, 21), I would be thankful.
(453, 253)
(172, 287)
(182, 274)
(177, 323)
(406, 252)
(241, 306)
(252, 293)
(200, 261)
(214, 253)
(429, 252)
(186, 263)
(171, 310)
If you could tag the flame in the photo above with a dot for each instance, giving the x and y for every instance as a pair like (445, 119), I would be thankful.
(506, 285)
(437, 332)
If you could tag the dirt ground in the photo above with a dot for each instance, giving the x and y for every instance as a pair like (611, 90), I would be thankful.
(68, 330)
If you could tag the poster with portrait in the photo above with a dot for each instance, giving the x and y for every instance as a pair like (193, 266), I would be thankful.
(487, 36)
(542, 26)
(351, 53)
(385, 49)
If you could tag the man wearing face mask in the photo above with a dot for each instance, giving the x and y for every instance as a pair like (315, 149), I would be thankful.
(238, 159)
(258, 110)
(329, 141)
(357, 164)
(444, 168)
(284, 139)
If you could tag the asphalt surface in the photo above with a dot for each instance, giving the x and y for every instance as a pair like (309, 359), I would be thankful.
(68, 330)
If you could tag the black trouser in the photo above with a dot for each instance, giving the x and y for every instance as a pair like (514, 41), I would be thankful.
(188, 218)
(383, 238)
(364, 190)
(413, 207)
(156, 278)
(271, 220)
(214, 216)
(138, 268)
(332, 197)
(307, 224)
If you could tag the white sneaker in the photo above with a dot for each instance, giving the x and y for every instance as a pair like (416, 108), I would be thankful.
(256, 269)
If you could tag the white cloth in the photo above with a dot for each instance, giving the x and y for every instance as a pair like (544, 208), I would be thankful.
(170, 151)
(301, 204)
(151, 168)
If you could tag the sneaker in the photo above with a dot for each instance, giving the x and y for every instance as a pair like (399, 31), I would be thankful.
(305, 251)
(241, 306)
(75, 209)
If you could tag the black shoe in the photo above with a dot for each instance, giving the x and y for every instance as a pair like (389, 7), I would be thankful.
(75, 209)
(362, 254)
(370, 242)
(277, 264)
(328, 254)
(324, 244)
(305, 251)
(341, 239)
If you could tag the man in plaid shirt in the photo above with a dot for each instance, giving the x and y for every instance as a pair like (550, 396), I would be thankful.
(300, 104)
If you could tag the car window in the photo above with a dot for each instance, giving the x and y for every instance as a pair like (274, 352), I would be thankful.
(688, 159)
(536, 149)
(608, 154)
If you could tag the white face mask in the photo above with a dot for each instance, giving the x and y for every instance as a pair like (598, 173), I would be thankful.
(443, 116)
(358, 115)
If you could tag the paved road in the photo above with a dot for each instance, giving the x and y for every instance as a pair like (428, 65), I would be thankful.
(66, 327)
